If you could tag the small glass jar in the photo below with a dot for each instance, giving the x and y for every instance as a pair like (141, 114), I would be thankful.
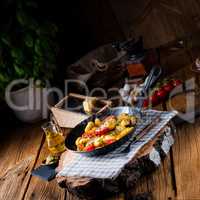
(54, 137)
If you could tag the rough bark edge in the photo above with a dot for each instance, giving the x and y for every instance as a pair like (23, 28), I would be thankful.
(86, 188)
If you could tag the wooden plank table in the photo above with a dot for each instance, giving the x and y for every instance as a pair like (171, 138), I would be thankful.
(24, 149)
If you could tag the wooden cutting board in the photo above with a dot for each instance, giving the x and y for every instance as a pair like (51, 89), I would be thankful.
(89, 188)
(182, 102)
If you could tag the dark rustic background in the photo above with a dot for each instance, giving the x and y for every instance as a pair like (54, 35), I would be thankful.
(90, 23)
(85, 25)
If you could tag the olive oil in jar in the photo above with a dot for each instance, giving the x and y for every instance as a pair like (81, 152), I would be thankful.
(54, 138)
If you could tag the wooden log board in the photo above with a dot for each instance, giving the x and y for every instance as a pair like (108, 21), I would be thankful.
(139, 166)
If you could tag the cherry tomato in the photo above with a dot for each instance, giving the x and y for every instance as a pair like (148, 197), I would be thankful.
(110, 141)
(177, 82)
(102, 131)
(154, 99)
(146, 103)
(168, 87)
(162, 94)
(172, 81)
(90, 147)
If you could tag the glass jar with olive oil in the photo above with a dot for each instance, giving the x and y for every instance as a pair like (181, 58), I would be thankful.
(54, 137)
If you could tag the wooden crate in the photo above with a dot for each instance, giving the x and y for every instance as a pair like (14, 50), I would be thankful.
(70, 118)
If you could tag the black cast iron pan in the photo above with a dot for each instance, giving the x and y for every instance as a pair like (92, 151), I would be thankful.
(79, 129)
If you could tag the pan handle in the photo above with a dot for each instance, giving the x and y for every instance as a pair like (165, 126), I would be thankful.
(150, 80)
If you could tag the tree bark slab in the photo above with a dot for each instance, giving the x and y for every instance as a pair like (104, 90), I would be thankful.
(139, 166)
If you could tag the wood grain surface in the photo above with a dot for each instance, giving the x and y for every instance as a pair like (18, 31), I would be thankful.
(39, 189)
(18, 154)
(158, 184)
(187, 161)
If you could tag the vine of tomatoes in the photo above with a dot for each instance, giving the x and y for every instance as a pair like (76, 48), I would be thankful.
(161, 92)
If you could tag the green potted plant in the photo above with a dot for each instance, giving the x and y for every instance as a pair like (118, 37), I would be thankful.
(27, 52)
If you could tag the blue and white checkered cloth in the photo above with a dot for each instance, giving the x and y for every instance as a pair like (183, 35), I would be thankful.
(111, 164)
